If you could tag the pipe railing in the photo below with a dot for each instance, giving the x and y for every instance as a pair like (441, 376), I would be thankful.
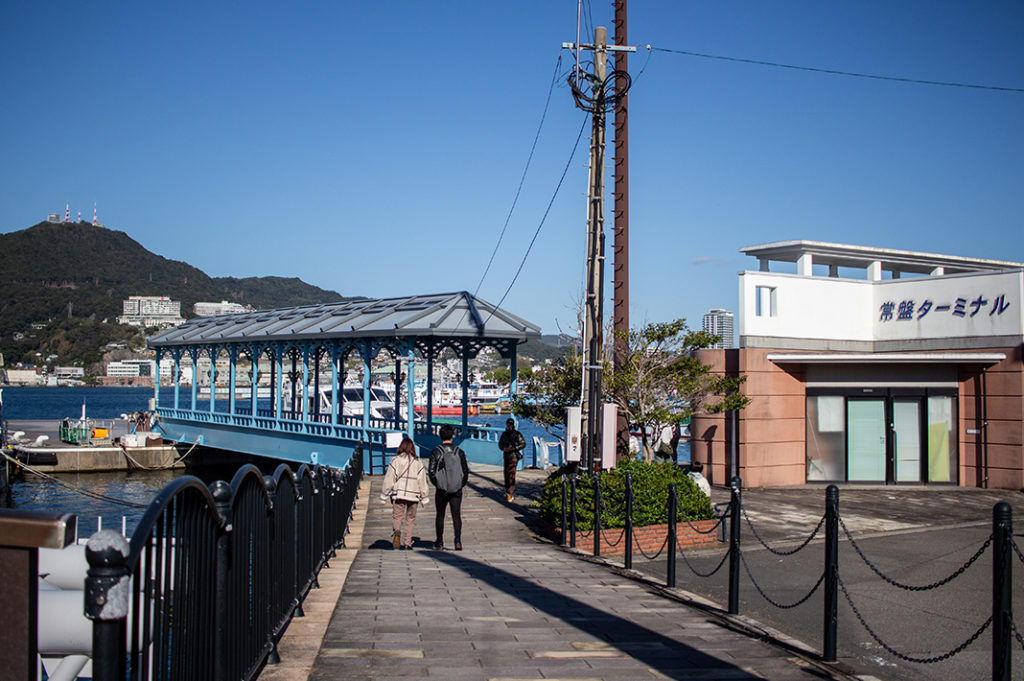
(214, 574)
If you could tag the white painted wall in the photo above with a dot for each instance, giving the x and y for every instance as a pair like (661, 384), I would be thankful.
(976, 305)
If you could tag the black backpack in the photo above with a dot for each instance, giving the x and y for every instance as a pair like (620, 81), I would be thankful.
(449, 469)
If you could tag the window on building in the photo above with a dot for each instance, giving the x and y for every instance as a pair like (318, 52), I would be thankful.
(765, 301)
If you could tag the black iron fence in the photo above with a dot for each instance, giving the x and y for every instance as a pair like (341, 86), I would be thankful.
(213, 575)
(1004, 629)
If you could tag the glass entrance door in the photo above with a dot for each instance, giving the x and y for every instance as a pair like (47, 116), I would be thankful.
(906, 435)
(865, 440)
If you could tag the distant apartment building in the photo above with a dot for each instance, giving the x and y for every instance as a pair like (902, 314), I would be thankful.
(223, 307)
(22, 377)
(151, 311)
(68, 372)
(720, 323)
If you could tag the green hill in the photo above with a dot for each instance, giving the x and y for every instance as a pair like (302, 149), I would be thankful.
(59, 280)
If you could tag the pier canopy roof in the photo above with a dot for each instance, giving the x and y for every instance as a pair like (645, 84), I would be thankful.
(440, 316)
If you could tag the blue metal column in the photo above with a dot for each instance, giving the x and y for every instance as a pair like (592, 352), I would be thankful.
(430, 387)
(398, 392)
(177, 379)
(212, 352)
(194, 353)
(305, 382)
(254, 381)
(410, 385)
(156, 380)
(232, 357)
(513, 388)
(465, 391)
(335, 393)
(366, 390)
(279, 366)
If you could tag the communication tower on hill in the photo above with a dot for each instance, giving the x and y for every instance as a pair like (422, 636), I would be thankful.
(67, 211)
(94, 221)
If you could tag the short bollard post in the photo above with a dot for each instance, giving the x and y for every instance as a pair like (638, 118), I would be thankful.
(670, 568)
(1002, 590)
(831, 572)
(734, 548)
(597, 513)
(106, 603)
(628, 558)
(565, 522)
(572, 511)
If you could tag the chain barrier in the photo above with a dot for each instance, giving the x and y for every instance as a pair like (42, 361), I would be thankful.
(911, 587)
(907, 658)
(1016, 549)
(765, 596)
(656, 553)
(1016, 634)
(780, 552)
(718, 524)
(704, 574)
(613, 544)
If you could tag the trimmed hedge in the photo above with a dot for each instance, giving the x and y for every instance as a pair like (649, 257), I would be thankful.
(650, 496)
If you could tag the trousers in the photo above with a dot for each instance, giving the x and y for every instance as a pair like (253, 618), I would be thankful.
(443, 501)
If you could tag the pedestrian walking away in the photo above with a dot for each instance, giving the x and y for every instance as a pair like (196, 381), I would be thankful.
(449, 473)
(405, 485)
(512, 443)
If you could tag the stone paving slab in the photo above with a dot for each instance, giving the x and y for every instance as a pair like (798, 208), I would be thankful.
(512, 606)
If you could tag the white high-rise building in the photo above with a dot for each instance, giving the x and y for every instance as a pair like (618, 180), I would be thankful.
(720, 323)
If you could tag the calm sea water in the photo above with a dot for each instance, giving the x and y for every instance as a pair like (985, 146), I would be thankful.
(138, 487)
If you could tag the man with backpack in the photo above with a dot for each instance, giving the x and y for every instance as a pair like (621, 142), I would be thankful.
(448, 472)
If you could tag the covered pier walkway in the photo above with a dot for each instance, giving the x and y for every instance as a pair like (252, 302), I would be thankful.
(276, 381)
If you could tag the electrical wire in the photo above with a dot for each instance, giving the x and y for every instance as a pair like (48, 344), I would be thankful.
(568, 164)
(522, 180)
(835, 72)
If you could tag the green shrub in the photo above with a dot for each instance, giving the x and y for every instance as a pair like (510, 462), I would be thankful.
(650, 496)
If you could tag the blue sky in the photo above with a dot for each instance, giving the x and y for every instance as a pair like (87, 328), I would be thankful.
(375, 148)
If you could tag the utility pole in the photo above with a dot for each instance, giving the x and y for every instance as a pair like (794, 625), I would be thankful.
(620, 194)
(604, 91)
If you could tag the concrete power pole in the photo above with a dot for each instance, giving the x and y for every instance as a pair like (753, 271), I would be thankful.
(592, 332)
(605, 92)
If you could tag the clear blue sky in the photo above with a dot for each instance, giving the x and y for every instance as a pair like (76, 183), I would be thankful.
(374, 148)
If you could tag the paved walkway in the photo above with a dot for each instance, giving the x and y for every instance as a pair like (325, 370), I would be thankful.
(513, 606)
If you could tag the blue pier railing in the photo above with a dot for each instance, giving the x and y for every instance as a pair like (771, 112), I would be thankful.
(214, 574)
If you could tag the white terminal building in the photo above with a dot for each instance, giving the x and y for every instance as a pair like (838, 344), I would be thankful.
(151, 311)
(872, 365)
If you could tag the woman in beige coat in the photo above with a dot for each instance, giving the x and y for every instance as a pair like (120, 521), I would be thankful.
(406, 484)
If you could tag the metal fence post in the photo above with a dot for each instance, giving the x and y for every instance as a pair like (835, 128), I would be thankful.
(628, 558)
(831, 596)
(572, 511)
(221, 492)
(1002, 590)
(565, 513)
(597, 513)
(106, 604)
(734, 548)
(670, 576)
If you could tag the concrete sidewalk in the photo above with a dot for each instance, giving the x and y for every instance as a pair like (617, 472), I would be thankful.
(513, 606)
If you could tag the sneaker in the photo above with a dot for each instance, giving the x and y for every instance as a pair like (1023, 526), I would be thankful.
(438, 546)
(458, 546)
(396, 539)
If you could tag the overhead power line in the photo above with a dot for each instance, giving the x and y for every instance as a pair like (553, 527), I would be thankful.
(544, 218)
(522, 179)
(835, 72)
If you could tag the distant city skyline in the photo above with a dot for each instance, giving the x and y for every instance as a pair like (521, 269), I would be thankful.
(720, 323)
(387, 166)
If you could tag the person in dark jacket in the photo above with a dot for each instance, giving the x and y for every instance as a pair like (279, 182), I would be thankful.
(512, 443)
(448, 472)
